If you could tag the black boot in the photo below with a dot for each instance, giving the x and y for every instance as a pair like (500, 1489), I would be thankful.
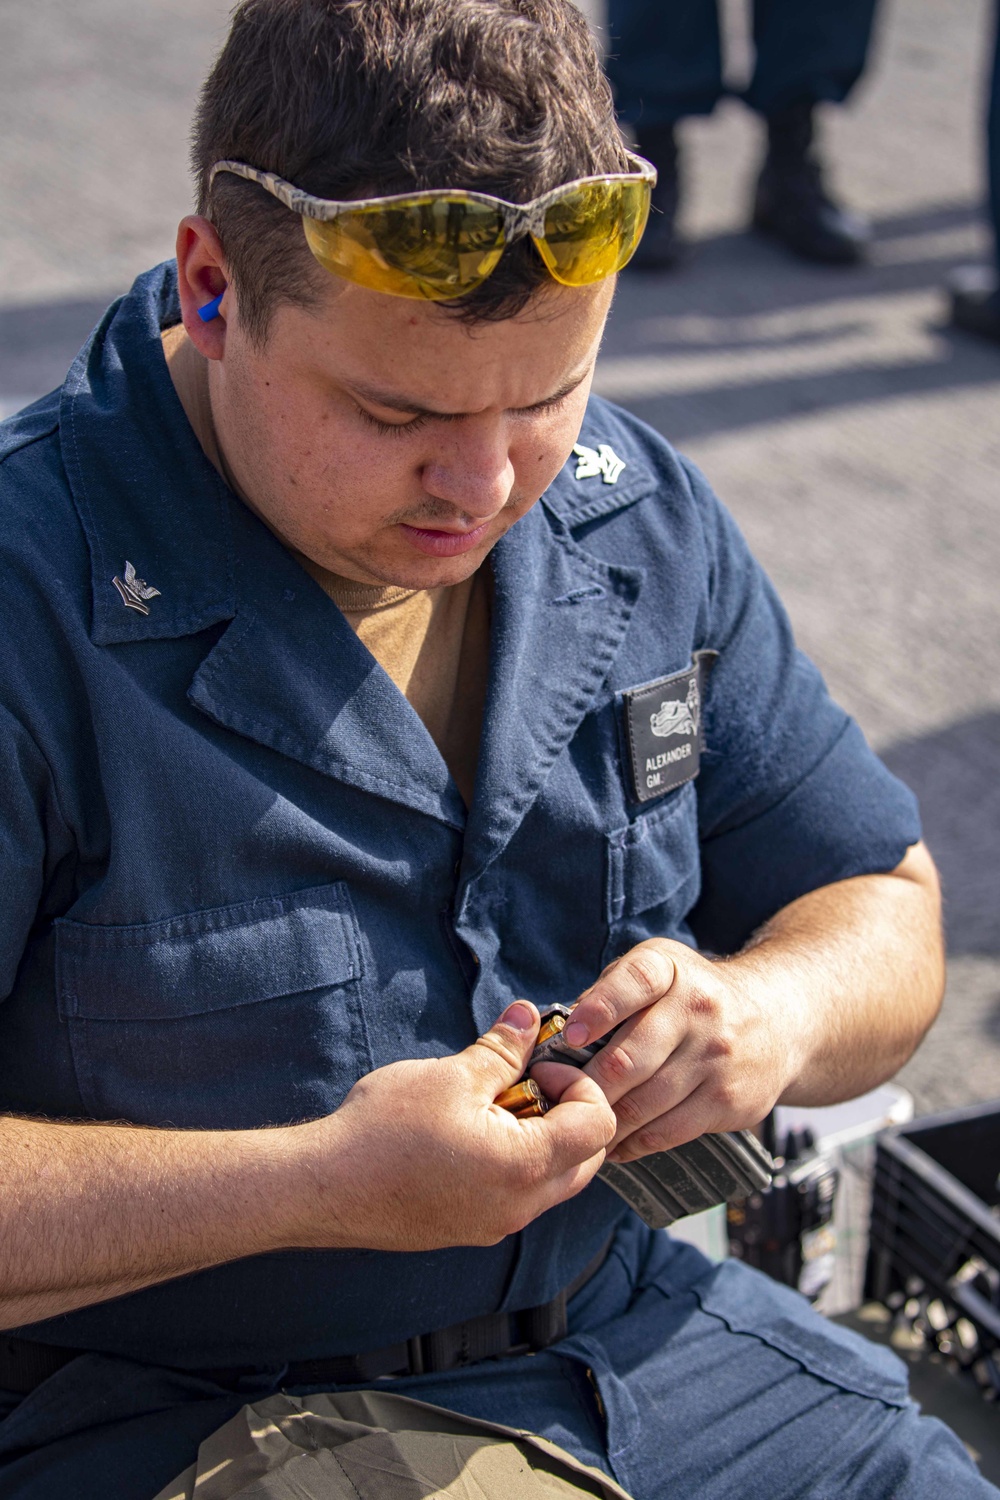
(660, 249)
(791, 203)
(975, 301)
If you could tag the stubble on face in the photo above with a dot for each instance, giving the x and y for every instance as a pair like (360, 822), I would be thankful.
(341, 479)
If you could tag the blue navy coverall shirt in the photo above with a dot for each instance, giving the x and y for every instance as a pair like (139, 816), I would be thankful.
(236, 876)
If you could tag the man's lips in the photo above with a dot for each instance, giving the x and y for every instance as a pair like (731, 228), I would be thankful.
(444, 543)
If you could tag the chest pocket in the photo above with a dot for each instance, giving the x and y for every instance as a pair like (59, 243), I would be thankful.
(653, 873)
(234, 1017)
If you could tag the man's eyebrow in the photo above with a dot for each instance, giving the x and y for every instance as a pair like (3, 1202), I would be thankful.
(393, 401)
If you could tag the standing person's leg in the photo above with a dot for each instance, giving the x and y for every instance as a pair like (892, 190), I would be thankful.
(993, 143)
(815, 52)
(806, 55)
(665, 62)
(975, 304)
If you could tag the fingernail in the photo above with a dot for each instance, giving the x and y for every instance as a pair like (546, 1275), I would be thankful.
(519, 1017)
(576, 1034)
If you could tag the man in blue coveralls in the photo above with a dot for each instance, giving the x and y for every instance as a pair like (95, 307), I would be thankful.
(362, 676)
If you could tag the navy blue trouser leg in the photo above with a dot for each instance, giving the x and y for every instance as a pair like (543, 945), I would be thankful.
(815, 51)
(993, 142)
(713, 1382)
(665, 57)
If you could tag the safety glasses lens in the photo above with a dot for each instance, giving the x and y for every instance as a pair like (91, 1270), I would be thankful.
(593, 231)
(425, 248)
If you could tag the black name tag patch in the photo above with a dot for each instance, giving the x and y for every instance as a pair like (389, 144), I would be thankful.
(663, 728)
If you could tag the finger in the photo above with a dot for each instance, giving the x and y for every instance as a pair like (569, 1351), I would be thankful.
(569, 1184)
(556, 1080)
(500, 1056)
(696, 1115)
(638, 1052)
(567, 1087)
(663, 1091)
(636, 980)
(577, 1129)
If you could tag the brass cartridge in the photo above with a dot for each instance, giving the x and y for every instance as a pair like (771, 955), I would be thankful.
(531, 1111)
(520, 1094)
(550, 1027)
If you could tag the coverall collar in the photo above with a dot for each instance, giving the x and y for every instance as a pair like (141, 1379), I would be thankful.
(145, 491)
(289, 672)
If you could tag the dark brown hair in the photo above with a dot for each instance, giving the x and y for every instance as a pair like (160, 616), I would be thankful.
(355, 98)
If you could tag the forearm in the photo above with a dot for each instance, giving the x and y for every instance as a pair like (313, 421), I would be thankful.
(417, 1157)
(857, 968)
(90, 1212)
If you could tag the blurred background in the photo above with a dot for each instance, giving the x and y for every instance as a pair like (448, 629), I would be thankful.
(856, 438)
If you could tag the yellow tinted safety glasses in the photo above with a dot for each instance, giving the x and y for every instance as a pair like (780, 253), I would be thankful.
(445, 242)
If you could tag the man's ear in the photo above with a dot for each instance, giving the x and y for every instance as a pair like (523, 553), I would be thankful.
(202, 278)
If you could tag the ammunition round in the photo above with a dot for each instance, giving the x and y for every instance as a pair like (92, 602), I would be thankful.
(532, 1110)
(519, 1094)
(550, 1027)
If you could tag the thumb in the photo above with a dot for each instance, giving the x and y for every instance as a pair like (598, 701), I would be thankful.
(501, 1055)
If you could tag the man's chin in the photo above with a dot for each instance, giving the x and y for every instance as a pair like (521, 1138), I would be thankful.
(436, 572)
(416, 571)
(418, 558)
(409, 556)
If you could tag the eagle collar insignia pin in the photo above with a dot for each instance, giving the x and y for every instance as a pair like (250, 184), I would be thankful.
(134, 590)
(602, 460)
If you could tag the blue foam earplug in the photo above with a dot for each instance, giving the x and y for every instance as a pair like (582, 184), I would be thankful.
(211, 309)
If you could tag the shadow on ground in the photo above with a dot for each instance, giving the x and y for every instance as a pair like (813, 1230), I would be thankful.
(737, 300)
(955, 772)
(682, 347)
(38, 343)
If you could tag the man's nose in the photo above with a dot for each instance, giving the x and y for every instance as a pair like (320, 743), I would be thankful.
(472, 471)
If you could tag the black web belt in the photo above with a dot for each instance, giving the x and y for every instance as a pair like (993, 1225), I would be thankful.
(24, 1363)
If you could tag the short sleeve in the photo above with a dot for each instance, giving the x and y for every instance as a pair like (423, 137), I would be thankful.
(790, 795)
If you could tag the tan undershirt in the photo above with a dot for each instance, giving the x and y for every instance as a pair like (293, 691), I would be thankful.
(433, 643)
